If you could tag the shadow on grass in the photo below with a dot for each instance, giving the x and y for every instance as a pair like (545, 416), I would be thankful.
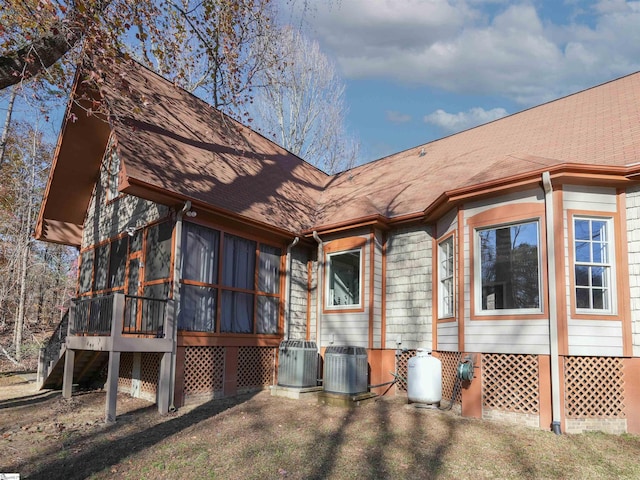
(28, 399)
(380, 461)
(107, 448)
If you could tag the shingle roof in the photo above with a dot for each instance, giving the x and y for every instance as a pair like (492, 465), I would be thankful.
(171, 140)
(598, 126)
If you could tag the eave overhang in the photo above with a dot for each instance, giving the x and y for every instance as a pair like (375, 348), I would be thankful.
(74, 170)
(575, 174)
(139, 188)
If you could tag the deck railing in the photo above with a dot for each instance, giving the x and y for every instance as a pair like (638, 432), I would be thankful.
(142, 316)
(51, 351)
(92, 316)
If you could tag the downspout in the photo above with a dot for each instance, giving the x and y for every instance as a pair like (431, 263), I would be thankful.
(287, 291)
(553, 312)
(319, 291)
(177, 262)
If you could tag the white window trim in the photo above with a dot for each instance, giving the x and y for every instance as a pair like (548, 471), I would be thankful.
(477, 273)
(441, 279)
(327, 304)
(611, 266)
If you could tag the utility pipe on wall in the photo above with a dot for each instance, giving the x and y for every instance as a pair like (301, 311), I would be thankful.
(553, 312)
(319, 290)
(287, 290)
(177, 262)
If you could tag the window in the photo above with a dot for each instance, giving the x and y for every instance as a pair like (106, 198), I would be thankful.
(445, 276)
(118, 263)
(86, 271)
(592, 263)
(224, 274)
(238, 271)
(101, 267)
(158, 254)
(508, 268)
(343, 279)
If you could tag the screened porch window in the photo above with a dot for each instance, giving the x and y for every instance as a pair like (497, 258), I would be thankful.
(508, 269)
(343, 279)
(229, 284)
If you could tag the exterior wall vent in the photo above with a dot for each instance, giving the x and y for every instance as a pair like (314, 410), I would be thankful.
(298, 364)
(345, 370)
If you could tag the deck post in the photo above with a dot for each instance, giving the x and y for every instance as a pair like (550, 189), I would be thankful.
(67, 378)
(112, 387)
(164, 383)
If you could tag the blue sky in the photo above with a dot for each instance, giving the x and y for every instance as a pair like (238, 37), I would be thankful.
(417, 70)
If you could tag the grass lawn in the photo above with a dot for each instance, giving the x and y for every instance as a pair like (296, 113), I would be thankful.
(262, 437)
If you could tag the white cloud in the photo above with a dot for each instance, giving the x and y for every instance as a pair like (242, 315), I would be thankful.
(397, 117)
(456, 122)
(482, 47)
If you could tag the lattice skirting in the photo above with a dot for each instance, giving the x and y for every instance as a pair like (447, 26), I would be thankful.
(510, 383)
(149, 370)
(402, 361)
(126, 372)
(594, 387)
(450, 362)
(204, 370)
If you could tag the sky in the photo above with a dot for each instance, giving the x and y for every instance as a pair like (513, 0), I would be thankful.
(418, 70)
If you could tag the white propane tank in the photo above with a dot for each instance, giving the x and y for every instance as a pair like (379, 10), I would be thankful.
(424, 378)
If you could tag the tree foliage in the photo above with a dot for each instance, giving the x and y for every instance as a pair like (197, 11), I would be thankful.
(36, 279)
(197, 44)
(301, 103)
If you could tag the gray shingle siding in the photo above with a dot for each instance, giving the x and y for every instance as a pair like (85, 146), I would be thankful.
(633, 238)
(408, 289)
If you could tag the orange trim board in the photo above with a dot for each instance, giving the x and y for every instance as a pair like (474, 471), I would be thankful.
(560, 270)
(460, 285)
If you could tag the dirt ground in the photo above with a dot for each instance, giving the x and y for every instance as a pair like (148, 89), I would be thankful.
(257, 436)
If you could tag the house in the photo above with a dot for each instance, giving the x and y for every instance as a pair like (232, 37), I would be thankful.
(515, 245)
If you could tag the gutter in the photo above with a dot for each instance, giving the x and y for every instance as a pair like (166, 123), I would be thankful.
(177, 262)
(319, 291)
(553, 311)
(287, 290)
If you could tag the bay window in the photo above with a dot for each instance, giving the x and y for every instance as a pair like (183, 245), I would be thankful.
(508, 278)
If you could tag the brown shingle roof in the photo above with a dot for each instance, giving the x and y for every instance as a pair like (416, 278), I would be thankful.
(173, 141)
(598, 126)
(170, 141)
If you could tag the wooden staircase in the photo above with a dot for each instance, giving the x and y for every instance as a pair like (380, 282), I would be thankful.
(87, 368)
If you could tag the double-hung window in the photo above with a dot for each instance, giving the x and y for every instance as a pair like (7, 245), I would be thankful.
(445, 278)
(592, 244)
(508, 270)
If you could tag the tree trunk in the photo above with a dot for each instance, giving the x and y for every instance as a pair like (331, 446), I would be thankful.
(25, 253)
(21, 305)
(7, 124)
